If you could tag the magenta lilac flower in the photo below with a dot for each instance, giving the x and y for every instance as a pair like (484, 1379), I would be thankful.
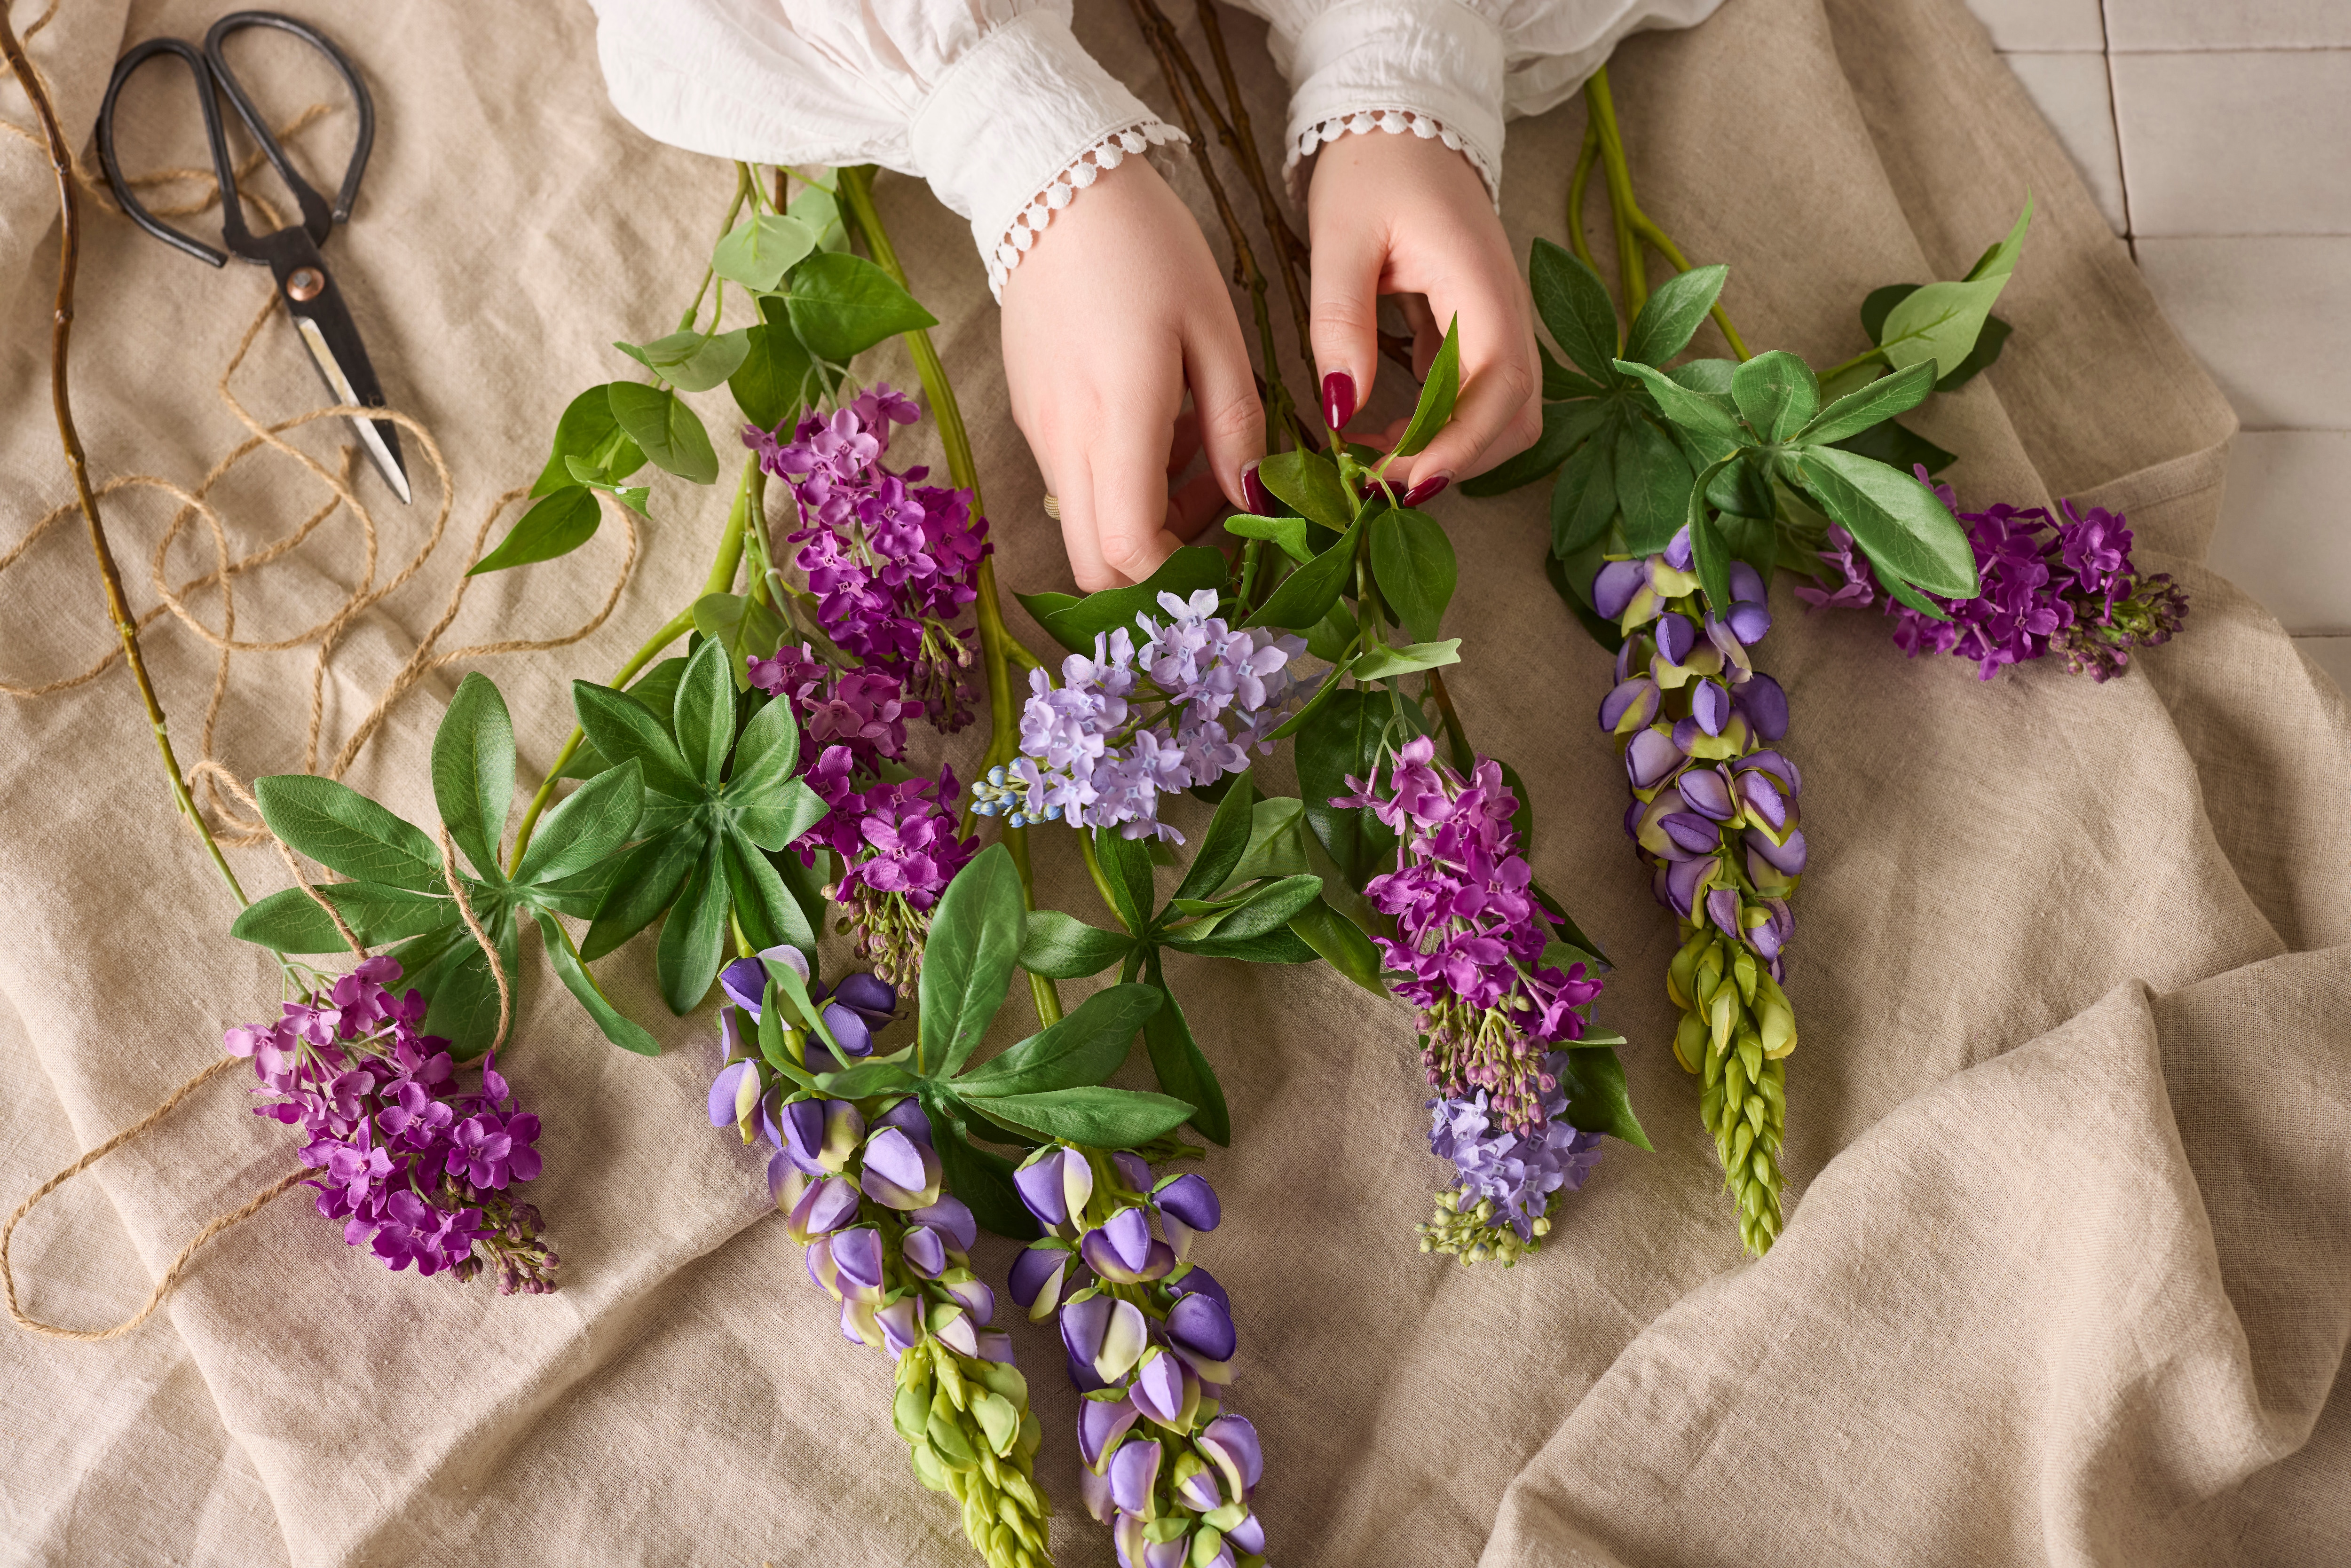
(1149, 1339)
(1133, 723)
(2059, 583)
(419, 1170)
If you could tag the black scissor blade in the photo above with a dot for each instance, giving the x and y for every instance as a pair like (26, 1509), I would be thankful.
(307, 287)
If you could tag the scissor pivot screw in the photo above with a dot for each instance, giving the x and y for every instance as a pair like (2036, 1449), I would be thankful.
(303, 283)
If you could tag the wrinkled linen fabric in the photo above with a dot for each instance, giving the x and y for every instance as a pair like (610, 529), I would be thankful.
(2069, 1123)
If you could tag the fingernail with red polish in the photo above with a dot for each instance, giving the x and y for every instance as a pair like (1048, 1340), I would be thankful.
(1426, 488)
(1253, 490)
(1338, 399)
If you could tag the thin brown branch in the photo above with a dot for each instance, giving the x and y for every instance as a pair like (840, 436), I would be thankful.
(1289, 253)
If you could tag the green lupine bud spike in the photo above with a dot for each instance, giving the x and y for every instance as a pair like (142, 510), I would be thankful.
(1689, 1042)
(951, 1384)
(1742, 1138)
(1756, 1109)
(1750, 1055)
(947, 1442)
(1735, 1078)
(911, 1414)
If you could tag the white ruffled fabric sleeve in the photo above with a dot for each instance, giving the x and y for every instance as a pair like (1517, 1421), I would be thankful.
(993, 102)
(1451, 69)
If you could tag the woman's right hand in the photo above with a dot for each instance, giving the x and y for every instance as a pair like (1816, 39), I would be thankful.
(1114, 313)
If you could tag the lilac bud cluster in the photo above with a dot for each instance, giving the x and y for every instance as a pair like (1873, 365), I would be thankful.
(1135, 722)
(1150, 1341)
(415, 1168)
(2061, 584)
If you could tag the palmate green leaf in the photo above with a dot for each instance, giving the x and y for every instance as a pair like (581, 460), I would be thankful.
(981, 1177)
(587, 431)
(1583, 501)
(1562, 384)
(1599, 1102)
(617, 1026)
(1307, 594)
(1063, 947)
(581, 893)
(344, 830)
(624, 729)
(1288, 533)
(671, 434)
(291, 921)
(1567, 428)
(1177, 1062)
(1941, 321)
(1438, 393)
(474, 770)
(1692, 411)
(646, 884)
(560, 523)
(1342, 738)
(1083, 1048)
(1777, 394)
(1574, 306)
(771, 915)
(692, 942)
(747, 627)
(1385, 664)
(841, 305)
(758, 251)
(1308, 483)
(692, 362)
(774, 376)
(1653, 485)
(1072, 622)
(968, 961)
(1900, 523)
(587, 828)
(1413, 561)
(1339, 941)
(1856, 411)
(1672, 315)
(704, 716)
(1102, 1118)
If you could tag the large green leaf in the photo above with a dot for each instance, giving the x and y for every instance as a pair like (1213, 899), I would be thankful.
(981, 1177)
(1342, 739)
(1899, 447)
(765, 757)
(1063, 947)
(589, 432)
(645, 885)
(671, 434)
(1584, 502)
(617, 1026)
(968, 958)
(1599, 1103)
(1692, 411)
(773, 380)
(473, 768)
(291, 921)
(758, 251)
(1097, 1117)
(1340, 943)
(625, 728)
(704, 715)
(1566, 428)
(694, 938)
(1653, 485)
(1413, 561)
(1072, 622)
(1177, 1062)
(461, 991)
(1386, 663)
(1126, 866)
(1288, 533)
(344, 830)
(692, 362)
(1227, 839)
(1856, 411)
(1901, 523)
(587, 827)
(1279, 946)
(776, 822)
(566, 519)
(771, 915)
(1307, 594)
(1777, 394)
(841, 305)
(1671, 317)
(1941, 321)
(1271, 908)
(1438, 393)
(1308, 483)
(1574, 305)
(744, 626)
(1083, 1048)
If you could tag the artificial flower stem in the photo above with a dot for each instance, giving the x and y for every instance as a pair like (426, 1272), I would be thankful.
(1855, 364)
(1101, 882)
(1576, 183)
(734, 208)
(1619, 179)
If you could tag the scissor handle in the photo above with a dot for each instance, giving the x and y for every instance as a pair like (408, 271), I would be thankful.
(222, 171)
(315, 215)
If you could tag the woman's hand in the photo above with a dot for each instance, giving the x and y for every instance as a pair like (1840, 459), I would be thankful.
(1112, 315)
(1398, 215)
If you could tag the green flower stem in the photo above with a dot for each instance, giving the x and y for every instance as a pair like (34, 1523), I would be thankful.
(1855, 364)
(1101, 882)
(744, 186)
(750, 495)
(997, 646)
(1576, 184)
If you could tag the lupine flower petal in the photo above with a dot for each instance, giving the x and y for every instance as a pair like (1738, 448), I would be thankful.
(1101, 1423)
(1036, 1280)
(1134, 1472)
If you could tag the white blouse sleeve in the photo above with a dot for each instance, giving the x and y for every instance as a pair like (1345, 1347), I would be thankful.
(1448, 68)
(992, 101)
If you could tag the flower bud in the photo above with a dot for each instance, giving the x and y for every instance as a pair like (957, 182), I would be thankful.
(1201, 1330)
(925, 1251)
(1102, 1423)
(1690, 833)
(900, 1172)
(1676, 636)
(952, 1219)
(1134, 1472)
(1631, 706)
(826, 1206)
(734, 1093)
(1765, 704)
(1746, 584)
(1094, 1491)
(1615, 585)
(1036, 1280)
(1710, 705)
(857, 1258)
(1159, 1387)
(1231, 1444)
(1196, 1484)
(1651, 758)
(901, 1324)
(1707, 792)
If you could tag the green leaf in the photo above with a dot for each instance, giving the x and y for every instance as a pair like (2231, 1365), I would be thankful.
(587, 827)
(772, 382)
(785, 980)
(581, 893)
(769, 914)
(765, 757)
(1600, 1103)
(1307, 594)
(841, 305)
(1100, 1118)
(758, 251)
(692, 362)
(1899, 447)
(474, 770)
(1227, 839)
(344, 830)
(1560, 384)
(1438, 393)
(1275, 844)
(1340, 943)
(645, 884)
(617, 1026)
(589, 432)
(291, 921)
(1383, 663)
(671, 434)
(1574, 305)
(1063, 947)
(694, 938)
(1856, 411)
(1413, 560)
(866, 1078)
(1584, 502)
(1692, 411)
(1072, 622)
(1288, 533)
(704, 716)
(1267, 909)
(777, 824)
(1572, 580)
(981, 1177)
(968, 961)
(1653, 485)
(1567, 428)
(1941, 321)
(1342, 738)
(632, 496)
(622, 728)
(1901, 523)
(1711, 556)
(1906, 595)
(455, 976)
(1777, 394)
(557, 525)
(747, 627)
(1177, 1062)
(820, 209)
(1671, 317)
(1126, 866)
(1309, 482)
(1278, 946)
(1084, 1048)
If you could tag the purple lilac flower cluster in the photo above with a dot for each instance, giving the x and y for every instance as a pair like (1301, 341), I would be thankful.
(862, 1189)
(416, 1170)
(893, 562)
(1470, 953)
(1714, 815)
(1133, 722)
(1150, 1340)
(2049, 585)
(897, 840)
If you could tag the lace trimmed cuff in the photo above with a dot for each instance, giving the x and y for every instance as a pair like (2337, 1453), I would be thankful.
(1088, 166)
(1395, 122)
(1435, 68)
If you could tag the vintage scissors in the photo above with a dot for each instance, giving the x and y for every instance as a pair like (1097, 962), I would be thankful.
(305, 282)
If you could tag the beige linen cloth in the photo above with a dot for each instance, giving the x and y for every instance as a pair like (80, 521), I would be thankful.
(2069, 1275)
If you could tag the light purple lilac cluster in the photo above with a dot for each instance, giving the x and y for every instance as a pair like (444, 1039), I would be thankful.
(415, 1168)
(1150, 1341)
(893, 562)
(2049, 585)
(1133, 722)
(1714, 804)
